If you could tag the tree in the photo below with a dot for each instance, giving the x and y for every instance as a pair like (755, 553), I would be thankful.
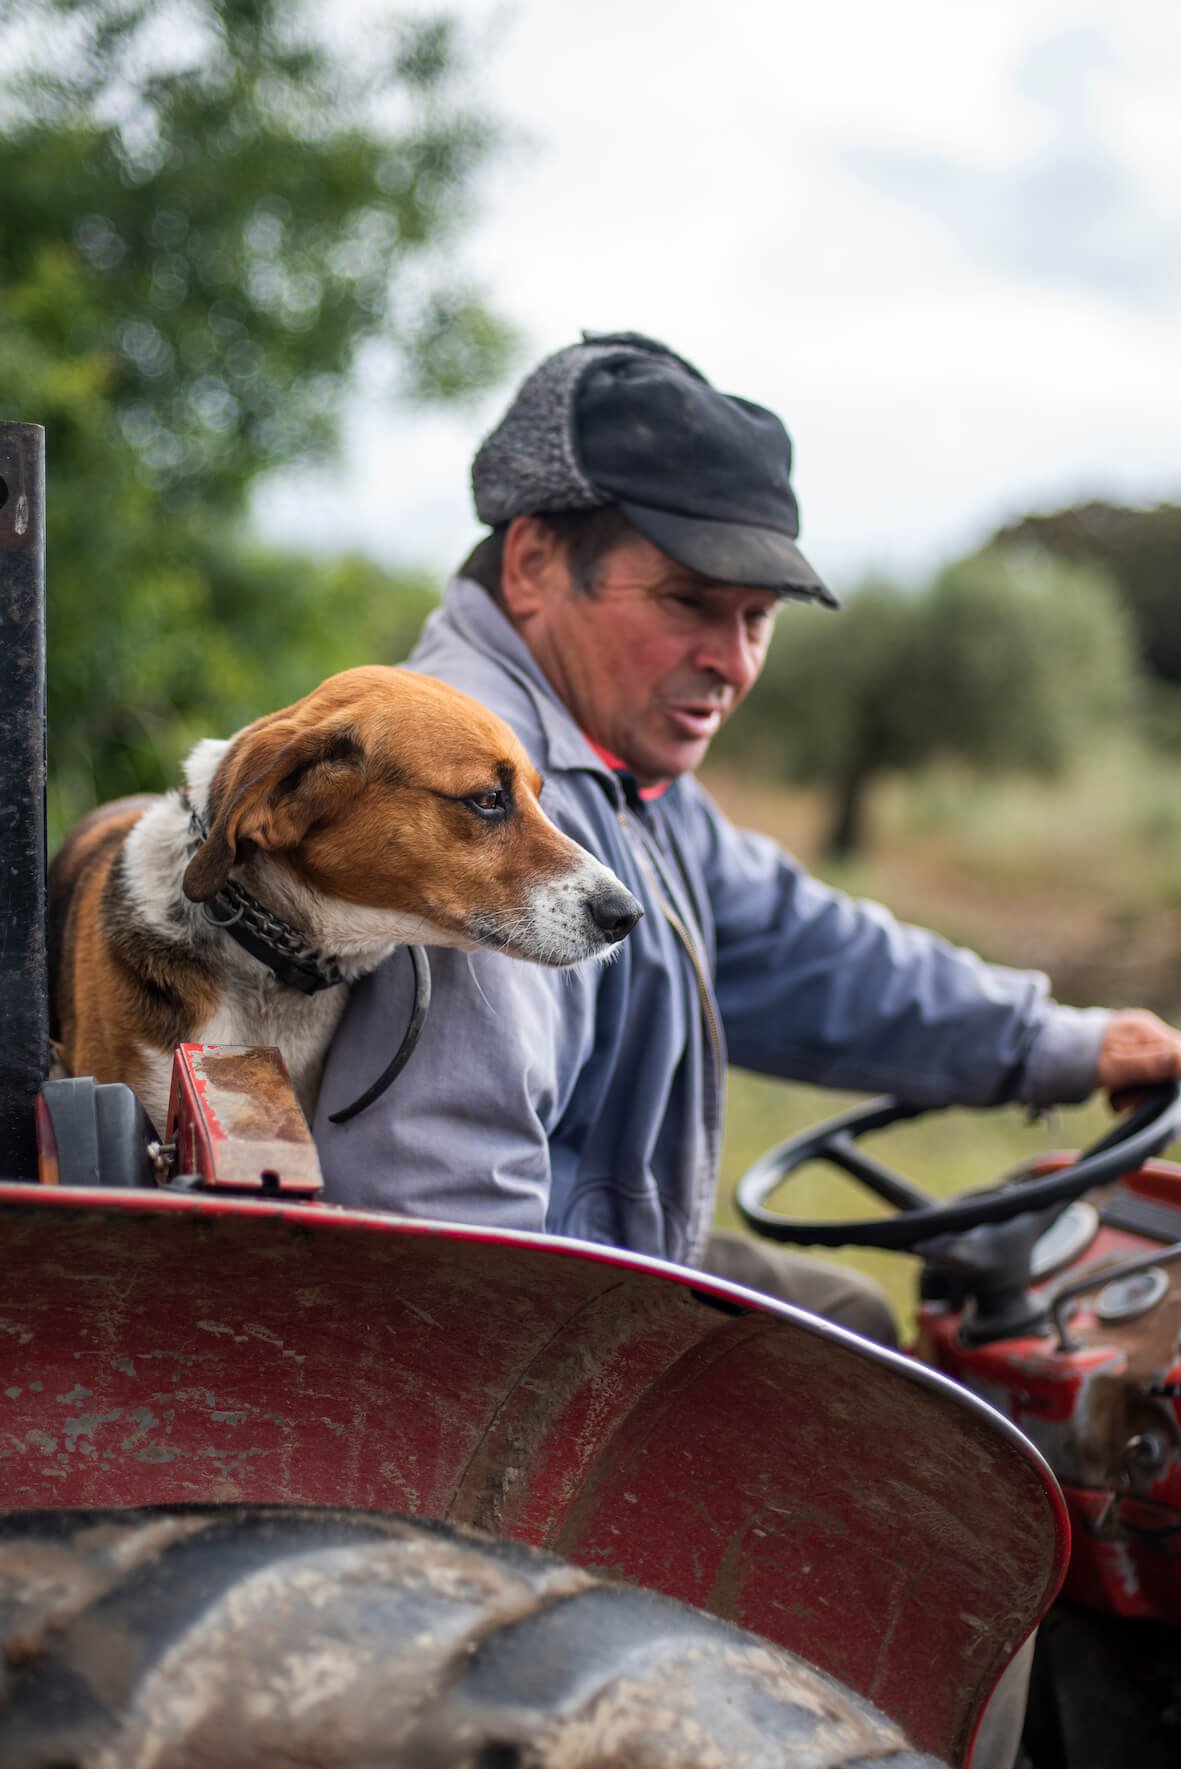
(1139, 549)
(208, 218)
(1007, 661)
(833, 704)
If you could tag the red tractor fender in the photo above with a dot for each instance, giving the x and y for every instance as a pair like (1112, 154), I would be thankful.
(638, 1418)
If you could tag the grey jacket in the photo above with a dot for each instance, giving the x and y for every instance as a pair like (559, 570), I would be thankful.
(589, 1102)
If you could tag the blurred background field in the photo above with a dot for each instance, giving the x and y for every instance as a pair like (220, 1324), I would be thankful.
(1078, 875)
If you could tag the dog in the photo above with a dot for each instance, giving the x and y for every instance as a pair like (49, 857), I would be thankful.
(384, 808)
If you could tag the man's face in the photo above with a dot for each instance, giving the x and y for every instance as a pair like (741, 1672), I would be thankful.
(655, 659)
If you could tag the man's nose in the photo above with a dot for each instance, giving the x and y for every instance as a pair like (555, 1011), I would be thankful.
(728, 650)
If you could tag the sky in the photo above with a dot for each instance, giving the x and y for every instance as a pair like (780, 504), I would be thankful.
(942, 241)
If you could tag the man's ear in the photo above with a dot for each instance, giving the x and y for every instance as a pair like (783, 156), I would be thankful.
(273, 784)
(533, 563)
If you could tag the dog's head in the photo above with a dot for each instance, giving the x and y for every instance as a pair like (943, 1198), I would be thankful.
(390, 791)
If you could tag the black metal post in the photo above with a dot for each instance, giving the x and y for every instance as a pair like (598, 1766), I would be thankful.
(24, 989)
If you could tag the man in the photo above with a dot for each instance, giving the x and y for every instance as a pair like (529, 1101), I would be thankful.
(643, 541)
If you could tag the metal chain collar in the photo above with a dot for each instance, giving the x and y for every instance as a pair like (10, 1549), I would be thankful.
(266, 936)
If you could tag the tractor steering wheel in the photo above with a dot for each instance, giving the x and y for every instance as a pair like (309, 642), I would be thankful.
(1142, 1134)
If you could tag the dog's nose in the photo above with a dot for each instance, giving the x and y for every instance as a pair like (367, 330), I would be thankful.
(614, 912)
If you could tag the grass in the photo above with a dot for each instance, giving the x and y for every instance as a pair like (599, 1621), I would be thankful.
(1079, 876)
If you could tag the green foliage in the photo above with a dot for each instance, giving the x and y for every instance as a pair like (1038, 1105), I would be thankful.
(1003, 663)
(202, 646)
(1160, 716)
(207, 216)
(1140, 550)
(834, 704)
(1024, 654)
(237, 224)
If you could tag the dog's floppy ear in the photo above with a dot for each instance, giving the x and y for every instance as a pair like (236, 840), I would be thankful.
(274, 782)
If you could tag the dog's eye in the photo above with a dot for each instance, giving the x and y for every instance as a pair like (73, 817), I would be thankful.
(488, 804)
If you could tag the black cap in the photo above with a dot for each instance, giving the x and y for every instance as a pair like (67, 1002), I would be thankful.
(622, 420)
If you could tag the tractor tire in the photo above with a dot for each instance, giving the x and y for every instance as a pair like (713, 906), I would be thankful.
(228, 1638)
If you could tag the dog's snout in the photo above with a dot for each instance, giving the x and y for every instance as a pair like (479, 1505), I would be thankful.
(614, 912)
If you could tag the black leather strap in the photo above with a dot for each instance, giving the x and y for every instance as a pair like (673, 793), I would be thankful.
(266, 936)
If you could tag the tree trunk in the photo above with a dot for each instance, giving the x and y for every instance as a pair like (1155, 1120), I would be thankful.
(847, 836)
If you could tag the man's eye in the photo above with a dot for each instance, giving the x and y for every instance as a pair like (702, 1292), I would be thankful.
(687, 603)
(487, 804)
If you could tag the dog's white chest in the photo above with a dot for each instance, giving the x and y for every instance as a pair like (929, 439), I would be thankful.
(302, 1026)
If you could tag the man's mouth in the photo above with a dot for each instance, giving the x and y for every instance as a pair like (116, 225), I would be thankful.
(694, 719)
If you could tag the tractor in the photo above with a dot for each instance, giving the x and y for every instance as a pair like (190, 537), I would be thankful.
(286, 1482)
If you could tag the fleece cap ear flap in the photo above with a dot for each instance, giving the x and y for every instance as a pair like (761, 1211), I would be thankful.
(274, 782)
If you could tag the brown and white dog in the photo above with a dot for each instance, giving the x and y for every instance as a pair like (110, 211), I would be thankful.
(384, 808)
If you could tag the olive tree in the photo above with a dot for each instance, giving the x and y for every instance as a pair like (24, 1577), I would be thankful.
(1008, 660)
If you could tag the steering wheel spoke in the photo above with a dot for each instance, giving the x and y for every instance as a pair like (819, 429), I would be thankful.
(884, 1182)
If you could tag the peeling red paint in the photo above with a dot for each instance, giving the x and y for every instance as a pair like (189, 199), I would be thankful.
(234, 1119)
(827, 1495)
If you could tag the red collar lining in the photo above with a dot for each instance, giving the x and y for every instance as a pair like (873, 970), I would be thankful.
(618, 766)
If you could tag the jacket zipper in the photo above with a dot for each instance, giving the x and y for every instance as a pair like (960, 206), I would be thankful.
(638, 842)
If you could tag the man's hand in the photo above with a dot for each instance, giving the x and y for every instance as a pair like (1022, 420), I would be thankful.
(1138, 1051)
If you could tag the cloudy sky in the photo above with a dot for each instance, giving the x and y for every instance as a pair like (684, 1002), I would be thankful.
(942, 241)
